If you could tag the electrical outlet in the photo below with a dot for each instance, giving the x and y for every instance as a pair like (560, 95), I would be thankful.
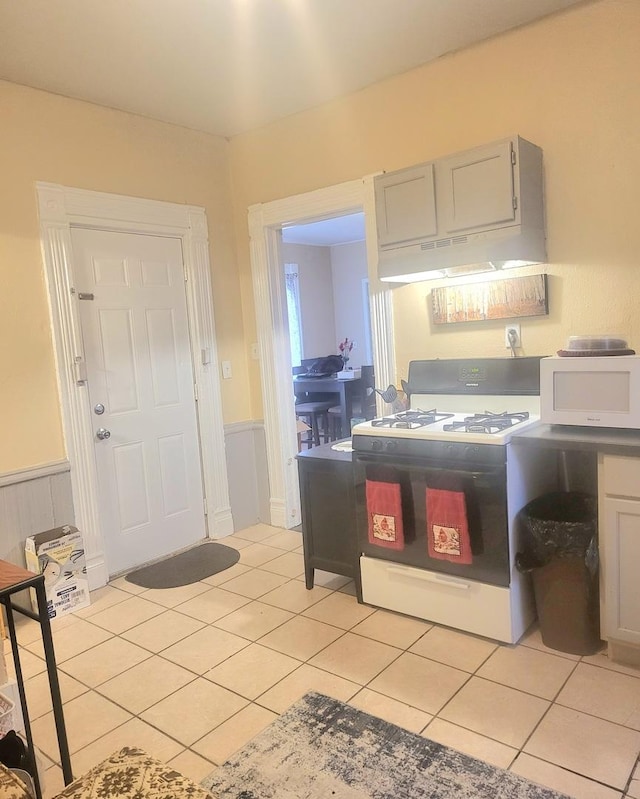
(509, 340)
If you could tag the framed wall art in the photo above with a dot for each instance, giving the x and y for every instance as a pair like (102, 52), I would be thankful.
(495, 299)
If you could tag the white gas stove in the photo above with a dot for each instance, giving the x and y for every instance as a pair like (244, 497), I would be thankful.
(453, 445)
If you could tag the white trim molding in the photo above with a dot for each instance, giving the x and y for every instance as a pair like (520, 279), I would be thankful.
(265, 223)
(62, 208)
(248, 426)
(34, 473)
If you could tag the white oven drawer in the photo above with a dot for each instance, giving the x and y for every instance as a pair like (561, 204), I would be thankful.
(463, 604)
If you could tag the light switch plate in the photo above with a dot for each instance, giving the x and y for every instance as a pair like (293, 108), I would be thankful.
(226, 369)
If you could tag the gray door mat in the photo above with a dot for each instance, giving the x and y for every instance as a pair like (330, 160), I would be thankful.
(187, 567)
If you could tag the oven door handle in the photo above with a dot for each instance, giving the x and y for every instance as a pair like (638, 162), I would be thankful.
(428, 577)
(422, 465)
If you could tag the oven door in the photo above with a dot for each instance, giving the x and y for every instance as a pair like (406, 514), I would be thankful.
(446, 516)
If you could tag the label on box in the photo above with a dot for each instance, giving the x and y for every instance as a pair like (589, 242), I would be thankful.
(59, 555)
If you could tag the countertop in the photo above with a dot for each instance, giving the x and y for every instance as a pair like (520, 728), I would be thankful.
(609, 440)
(327, 453)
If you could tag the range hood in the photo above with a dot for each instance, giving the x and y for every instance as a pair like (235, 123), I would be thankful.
(490, 251)
(480, 210)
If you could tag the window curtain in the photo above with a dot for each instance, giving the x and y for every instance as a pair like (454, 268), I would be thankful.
(292, 285)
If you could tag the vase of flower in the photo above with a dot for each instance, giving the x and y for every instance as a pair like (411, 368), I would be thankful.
(345, 348)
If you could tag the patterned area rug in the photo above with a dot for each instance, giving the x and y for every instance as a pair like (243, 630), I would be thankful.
(188, 567)
(323, 749)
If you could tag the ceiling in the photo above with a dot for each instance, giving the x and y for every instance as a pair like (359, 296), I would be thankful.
(229, 66)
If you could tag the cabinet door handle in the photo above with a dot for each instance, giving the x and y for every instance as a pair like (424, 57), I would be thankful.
(428, 577)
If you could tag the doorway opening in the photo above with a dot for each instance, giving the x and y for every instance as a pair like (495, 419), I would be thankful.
(326, 283)
(63, 209)
(266, 224)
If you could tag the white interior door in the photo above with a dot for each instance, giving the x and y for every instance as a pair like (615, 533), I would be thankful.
(135, 330)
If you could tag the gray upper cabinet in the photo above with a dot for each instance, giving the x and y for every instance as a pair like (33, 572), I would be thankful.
(478, 188)
(475, 210)
(406, 206)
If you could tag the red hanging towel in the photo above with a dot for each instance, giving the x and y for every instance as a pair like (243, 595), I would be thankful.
(447, 526)
(384, 511)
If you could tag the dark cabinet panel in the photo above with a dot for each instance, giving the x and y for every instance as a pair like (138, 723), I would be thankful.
(328, 513)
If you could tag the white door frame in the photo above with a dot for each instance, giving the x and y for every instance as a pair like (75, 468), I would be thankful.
(62, 208)
(265, 222)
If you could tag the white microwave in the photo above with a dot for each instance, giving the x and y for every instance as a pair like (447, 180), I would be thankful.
(592, 391)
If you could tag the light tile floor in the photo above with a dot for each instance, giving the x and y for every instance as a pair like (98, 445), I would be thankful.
(191, 674)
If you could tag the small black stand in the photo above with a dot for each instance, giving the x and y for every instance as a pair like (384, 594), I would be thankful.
(12, 580)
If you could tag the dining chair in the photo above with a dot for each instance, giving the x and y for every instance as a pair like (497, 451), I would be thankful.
(316, 415)
(312, 407)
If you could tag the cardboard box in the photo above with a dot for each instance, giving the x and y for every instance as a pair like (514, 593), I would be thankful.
(59, 555)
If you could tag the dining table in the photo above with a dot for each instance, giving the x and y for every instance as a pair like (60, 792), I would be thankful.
(346, 389)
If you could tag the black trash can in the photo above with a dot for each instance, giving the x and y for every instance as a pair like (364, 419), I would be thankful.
(561, 552)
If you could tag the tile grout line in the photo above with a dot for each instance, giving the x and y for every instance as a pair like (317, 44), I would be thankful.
(343, 633)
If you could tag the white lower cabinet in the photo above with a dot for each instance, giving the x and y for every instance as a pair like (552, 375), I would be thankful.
(619, 545)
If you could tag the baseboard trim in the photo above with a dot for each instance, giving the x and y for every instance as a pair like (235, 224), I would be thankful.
(97, 572)
(278, 513)
(222, 524)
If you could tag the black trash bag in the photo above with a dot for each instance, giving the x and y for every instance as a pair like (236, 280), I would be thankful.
(563, 523)
(325, 367)
(527, 562)
(561, 552)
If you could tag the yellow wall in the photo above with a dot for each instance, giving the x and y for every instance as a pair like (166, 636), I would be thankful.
(571, 85)
(44, 137)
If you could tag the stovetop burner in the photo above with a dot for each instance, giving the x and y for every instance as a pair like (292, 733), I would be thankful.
(411, 419)
(464, 425)
(481, 403)
(487, 422)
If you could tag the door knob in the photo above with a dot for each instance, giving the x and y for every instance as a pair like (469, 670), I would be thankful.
(102, 433)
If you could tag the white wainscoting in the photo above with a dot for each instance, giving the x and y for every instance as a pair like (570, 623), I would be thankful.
(32, 500)
(247, 472)
(40, 498)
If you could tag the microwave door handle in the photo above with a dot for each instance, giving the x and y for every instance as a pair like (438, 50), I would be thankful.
(428, 577)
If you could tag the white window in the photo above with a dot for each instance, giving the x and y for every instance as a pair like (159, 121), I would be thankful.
(292, 285)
